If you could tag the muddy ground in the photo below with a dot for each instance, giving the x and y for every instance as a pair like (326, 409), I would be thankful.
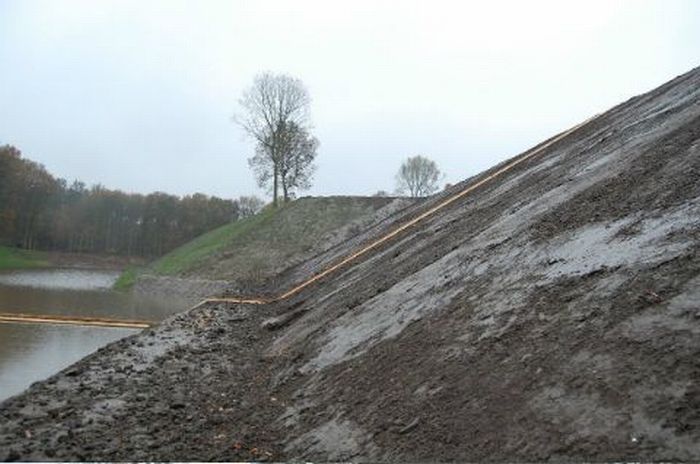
(91, 261)
(190, 290)
(552, 315)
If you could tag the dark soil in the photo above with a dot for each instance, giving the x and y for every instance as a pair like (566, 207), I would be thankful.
(552, 315)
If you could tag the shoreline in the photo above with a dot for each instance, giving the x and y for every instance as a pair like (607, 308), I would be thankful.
(15, 259)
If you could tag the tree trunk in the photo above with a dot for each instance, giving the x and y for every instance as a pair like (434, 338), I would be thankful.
(275, 187)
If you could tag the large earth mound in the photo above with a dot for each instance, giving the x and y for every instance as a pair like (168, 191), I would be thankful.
(553, 313)
(253, 251)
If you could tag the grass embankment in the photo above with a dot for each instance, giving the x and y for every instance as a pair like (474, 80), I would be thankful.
(255, 248)
(193, 253)
(190, 254)
(14, 258)
(126, 280)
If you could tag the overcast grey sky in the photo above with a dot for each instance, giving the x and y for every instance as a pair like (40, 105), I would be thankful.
(138, 95)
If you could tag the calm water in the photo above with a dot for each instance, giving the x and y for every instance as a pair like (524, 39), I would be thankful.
(32, 352)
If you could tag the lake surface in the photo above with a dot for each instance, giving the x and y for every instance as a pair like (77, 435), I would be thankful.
(32, 352)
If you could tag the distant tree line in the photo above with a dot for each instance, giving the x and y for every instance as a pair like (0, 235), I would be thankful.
(39, 211)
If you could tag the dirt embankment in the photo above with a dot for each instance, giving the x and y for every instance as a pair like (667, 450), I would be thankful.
(552, 314)
(244, 256)
(190, 290)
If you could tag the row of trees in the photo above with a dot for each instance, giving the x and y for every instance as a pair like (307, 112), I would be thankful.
(39, 211)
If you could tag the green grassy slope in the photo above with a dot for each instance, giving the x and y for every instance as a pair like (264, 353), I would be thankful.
(13, 258)
(257, 247)
(197, 253)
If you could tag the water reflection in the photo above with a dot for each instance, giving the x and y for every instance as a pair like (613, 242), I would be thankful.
(29, 353)
(61, 279)
(33, 352)
(78, 293)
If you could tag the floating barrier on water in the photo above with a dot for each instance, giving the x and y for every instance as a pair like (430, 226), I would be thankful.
(18, 318)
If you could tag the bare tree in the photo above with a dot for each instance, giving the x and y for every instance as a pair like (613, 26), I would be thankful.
(264, 169)
(249, 206)
(271, 106)
(418, 176)
(296, 166)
